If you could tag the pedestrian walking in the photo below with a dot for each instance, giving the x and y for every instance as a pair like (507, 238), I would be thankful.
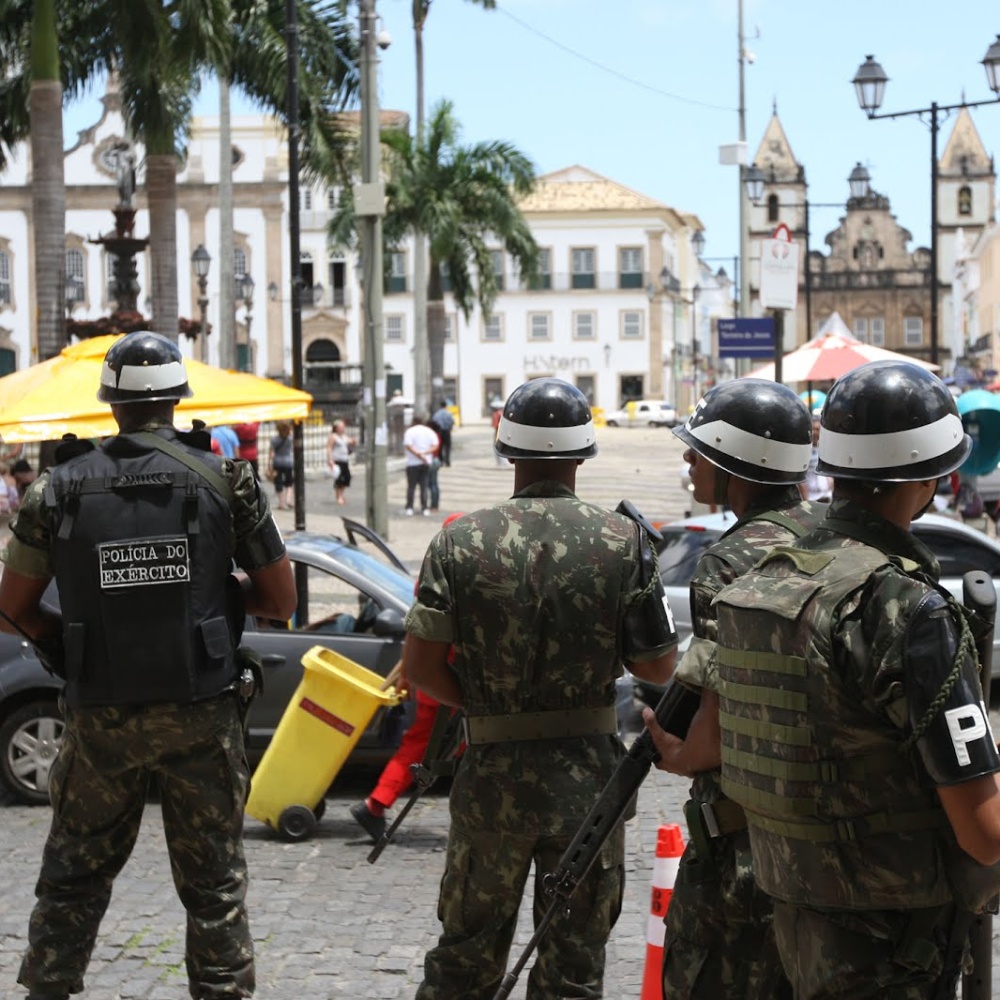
(444, 421)
(246, 434)
(339, 447)
(852, 718)
(420, 445)
(227, 440)
(140, 534)
(748, 447)
(543, 597)
(281, 465)
(816, 487)
(496, 413)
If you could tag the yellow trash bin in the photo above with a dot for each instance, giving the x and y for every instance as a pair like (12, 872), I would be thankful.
(332, 706)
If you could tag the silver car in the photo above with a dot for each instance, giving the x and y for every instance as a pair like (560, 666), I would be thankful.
(958, 547)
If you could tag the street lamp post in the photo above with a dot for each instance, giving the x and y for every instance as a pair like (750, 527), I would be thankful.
(201, 261)
(858, 182)
(694, 344)
(369, 201)
(246, 286)
(869, 84)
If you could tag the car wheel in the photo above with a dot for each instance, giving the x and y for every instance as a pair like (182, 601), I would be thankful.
(612, 423)
(29, 742)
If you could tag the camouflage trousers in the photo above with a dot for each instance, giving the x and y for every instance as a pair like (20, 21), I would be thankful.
(884, 954)
(719, 941)
(484, 879)
(108, 759)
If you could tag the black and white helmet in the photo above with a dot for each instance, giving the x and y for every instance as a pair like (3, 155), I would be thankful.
(752, 428)
(546, 418)
(141, 367)
(891, 422)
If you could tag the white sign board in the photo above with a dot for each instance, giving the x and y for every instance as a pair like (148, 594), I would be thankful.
(779, 271)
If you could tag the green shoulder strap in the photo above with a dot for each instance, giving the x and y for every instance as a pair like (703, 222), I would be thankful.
(200, 468)
(782, 520)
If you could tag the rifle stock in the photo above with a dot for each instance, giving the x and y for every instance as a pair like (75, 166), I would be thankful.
(674, 714)
(979, 595)
(438, 760)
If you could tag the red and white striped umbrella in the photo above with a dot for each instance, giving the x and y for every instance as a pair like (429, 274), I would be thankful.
(828, 356)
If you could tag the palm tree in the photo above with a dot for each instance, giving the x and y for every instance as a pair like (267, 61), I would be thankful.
(160, 53)
(48, 189)
(420, 9)
(463, 199)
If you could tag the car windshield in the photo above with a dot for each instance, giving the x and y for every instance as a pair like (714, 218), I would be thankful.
(380, 574)
(679, 553)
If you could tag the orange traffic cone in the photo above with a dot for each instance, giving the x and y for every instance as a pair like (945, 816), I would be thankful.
(669, 848)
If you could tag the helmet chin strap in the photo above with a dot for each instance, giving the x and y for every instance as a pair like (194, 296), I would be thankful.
(721, 486)
(926, 507)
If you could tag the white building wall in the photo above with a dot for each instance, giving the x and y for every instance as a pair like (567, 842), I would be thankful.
(478, 364)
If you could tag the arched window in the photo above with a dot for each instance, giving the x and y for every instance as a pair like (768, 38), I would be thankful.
(322, 368)
(772, 208)
(965, 200)
(74, 264)
(239, 262)
(4, 278)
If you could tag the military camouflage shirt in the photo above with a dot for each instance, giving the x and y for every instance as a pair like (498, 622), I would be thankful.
(721, 563)
(29, 551)
(731, 556)
(538, 595)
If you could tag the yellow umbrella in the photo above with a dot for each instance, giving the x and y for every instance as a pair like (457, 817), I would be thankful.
(47, 400)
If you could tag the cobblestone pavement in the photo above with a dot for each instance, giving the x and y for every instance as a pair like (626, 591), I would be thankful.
(326, 923)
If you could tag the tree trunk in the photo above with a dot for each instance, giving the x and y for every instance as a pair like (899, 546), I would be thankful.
(435, 327)
(227, 245)
(422, 383)
(48, 187)
(161, 192)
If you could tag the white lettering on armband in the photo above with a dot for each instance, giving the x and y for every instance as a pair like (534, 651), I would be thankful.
(670, 614)
(966, 725)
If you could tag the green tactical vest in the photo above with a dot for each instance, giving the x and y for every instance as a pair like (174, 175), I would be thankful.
(839, 814)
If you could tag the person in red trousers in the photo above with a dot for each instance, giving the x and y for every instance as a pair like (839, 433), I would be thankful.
(396, 776)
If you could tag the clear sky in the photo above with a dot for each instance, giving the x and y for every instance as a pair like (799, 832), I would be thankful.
(645, 91)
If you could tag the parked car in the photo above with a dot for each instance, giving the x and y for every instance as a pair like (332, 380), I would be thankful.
(357, 601)
(356, 605)
(957, 546)
(647, 413)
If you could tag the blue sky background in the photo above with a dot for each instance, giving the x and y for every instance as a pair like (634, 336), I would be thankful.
(645, 91)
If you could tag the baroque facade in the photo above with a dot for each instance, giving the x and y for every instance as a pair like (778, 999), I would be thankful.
(869, 274)
(622, 306)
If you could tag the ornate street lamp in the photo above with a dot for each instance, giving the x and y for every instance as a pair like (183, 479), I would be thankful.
(201, 261)
(246, 286)
(869, 85)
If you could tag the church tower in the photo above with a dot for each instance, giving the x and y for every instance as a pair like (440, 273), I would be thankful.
(784, 201)
(966, 200)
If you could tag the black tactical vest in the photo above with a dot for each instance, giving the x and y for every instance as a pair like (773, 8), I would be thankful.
(142, 550)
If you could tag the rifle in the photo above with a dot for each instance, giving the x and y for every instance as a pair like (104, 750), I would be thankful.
(674, 714)
(439, 759)
(980, 596)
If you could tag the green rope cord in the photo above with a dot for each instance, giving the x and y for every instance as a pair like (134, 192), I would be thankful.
(966, 647)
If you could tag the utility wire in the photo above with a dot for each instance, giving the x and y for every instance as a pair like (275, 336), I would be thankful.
(609, 70)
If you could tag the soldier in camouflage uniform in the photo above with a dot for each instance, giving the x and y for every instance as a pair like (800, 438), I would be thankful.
(749, 443)
(140, 535)
(543, 596)
(854, 731)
